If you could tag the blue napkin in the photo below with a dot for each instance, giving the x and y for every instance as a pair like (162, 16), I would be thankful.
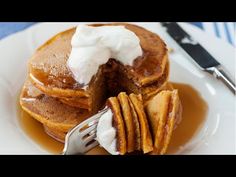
(224, 30)
(7, 28)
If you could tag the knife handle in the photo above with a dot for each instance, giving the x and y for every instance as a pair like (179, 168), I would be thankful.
(219, 73)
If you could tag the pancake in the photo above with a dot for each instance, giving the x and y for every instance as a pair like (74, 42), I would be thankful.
(157, 111)
(163, 111)
(118, 124)
(82, 102)
(49, 73)
(91, 99)
(151, 90)
(125, 83)
(57, 135)
(50, 111)
(136, 126)
(148, 68)
(128, 121)
(146, 139)
(174, 117)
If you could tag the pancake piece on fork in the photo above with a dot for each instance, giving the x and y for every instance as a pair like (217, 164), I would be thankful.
(119, 125)
(163, 111)
(128, 120)
(146, 138)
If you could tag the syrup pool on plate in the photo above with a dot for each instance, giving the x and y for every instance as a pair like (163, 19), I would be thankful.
(194, 115)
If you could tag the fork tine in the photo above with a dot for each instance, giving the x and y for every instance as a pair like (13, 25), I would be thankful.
(88, 130)
(91, 120)
(89, 138)
(92, 145)
(93, 131)
(74, 142)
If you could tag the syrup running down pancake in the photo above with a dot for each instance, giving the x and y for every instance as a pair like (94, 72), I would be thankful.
(50, 111)
(50, 74)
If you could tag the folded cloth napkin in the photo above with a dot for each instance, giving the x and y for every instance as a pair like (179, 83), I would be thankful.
(224, 30)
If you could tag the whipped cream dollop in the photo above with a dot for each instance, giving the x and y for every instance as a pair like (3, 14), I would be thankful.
(106, 133)
(93, 46)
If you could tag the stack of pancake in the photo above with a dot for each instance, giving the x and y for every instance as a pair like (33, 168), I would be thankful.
(53, 97)
(145, 127)
(131, 124)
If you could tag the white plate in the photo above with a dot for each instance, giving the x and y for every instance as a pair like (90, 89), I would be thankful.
(217, 135)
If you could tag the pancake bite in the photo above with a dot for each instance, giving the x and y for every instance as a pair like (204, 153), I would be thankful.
(128, 133)
(164, 112)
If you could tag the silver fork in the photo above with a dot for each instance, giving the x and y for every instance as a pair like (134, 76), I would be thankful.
(81, 138)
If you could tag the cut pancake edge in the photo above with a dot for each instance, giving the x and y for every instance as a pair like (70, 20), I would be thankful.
(44, 121)
(30, 103)
(146, 138)
(153, 79)
(136, 125)
(165, 119)
(149, 91)
(161, 122)
(118, 123)
(79, 103)
(174, 117)
(55, 91)
(55, 134)
(128, 121)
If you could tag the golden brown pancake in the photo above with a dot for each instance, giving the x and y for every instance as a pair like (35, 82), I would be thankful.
(168, 86)
(118, 124)
(151, 90)
(49, 73)
(157, 112)
(146, 139)
(128, 121)
(148, 91)
(57, 135)
(90, 99)
(136, 126)
(175, 114)
(162, 111)
(82, 102)
(50, 111)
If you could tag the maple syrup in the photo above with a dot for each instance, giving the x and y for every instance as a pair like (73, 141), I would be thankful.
(194, 114)
(35, 131)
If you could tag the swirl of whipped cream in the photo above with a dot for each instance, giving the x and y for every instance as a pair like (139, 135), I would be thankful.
(93, 46)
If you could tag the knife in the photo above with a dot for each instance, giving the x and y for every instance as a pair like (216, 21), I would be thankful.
(200, 56)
